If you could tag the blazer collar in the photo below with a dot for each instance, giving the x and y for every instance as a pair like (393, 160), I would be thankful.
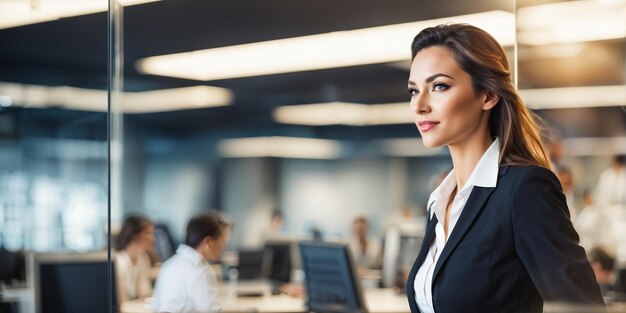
(475, 203)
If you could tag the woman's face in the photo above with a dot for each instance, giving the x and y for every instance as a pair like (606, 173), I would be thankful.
(146, 237)
(444, 106)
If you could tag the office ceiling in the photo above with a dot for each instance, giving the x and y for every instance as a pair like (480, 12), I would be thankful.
(73, 52)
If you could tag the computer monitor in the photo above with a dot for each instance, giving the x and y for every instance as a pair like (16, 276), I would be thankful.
(253, 264)
(164, 243)
(72, 282)
(12, 266)
(279, 256)
(402, 244)
(330, 279)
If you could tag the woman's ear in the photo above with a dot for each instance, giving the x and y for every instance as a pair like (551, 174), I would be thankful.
(490, 100)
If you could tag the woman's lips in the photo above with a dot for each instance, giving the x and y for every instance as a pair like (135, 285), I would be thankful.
(425, 126)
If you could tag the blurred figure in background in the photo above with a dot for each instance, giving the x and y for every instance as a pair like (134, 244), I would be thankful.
(366, 249)
(593, 225)
(186, 282)
(611, 189)
(567, 183)
(554, 145)
(603, 265)
(132, 263)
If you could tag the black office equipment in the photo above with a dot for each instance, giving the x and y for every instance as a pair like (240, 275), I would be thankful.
(330, 279)
(72, 283)
(12, 266)
(253, 264)
(280, 257)
(164, 243)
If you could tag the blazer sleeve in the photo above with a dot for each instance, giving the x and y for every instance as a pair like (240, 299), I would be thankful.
(546, 241)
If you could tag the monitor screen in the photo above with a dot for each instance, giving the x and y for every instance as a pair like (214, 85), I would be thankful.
(251, 264)
(73, 283)
(330, 278)
(279, 255)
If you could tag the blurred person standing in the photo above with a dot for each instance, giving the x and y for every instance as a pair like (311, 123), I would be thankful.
(593, 225)
(611, 188)
(567, 183)
(132, 262)
(186, 282)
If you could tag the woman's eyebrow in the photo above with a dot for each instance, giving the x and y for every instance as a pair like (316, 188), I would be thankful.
(431, 78)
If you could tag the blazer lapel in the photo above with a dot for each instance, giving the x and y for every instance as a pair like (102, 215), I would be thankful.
(473, 206)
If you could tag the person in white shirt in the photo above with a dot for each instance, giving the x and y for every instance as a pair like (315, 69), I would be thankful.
(593, 225)
(364, 247)
(186, 282)
(611, 189)
(132, 263)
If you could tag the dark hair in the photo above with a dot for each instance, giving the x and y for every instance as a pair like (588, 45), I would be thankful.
(482, 57)
(620, 158)
(606, 261)
(206, 224)
(133, 225)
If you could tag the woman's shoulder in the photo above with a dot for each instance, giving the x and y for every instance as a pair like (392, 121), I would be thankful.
(528, 171)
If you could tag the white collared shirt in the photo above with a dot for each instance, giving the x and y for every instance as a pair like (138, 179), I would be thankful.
(485, 174)
(186, 284)
(133, 278)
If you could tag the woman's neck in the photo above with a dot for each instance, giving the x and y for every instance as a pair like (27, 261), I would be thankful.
(466, 155)
(133, 251)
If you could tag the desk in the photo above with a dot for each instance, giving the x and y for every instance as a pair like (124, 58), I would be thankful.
(377, 300)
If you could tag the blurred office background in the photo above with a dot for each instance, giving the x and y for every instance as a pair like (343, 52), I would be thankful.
(249, 107)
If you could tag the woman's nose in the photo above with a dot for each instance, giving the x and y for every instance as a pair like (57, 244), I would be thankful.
(419, 104)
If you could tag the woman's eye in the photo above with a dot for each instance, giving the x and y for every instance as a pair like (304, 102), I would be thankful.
(440, 86)
(413, 92)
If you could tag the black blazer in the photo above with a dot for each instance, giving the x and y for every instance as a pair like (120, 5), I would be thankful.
(512, 248)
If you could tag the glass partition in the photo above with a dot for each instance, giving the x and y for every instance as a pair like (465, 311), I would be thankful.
(289, 118)
(572, 72)
(53, 152)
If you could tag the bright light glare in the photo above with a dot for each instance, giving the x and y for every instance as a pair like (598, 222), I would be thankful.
(131, 102)
(337, 49)
(286, 147)
(570, 22)
(15, 13)
(335, 113)
(575, 97)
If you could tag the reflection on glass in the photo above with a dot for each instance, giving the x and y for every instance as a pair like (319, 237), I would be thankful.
(53, 151)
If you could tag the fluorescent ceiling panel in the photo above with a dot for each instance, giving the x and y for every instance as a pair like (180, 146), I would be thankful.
(575, 97)
(15, 13)
(285, 147)
(571, 22)
(329, 50)
(131, 102)
(335, 113)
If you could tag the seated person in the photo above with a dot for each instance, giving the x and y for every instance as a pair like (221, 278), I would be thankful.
(186, 282)
(132, 263)
(603, 266)
(365, 249)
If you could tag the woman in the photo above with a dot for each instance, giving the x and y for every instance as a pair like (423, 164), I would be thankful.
(499, 238)
(132, 263)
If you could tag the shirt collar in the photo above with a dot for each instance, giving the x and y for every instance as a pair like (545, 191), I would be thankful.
(190, 253)
(485, 174)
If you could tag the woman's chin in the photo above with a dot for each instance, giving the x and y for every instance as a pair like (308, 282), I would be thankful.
(430, 143)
